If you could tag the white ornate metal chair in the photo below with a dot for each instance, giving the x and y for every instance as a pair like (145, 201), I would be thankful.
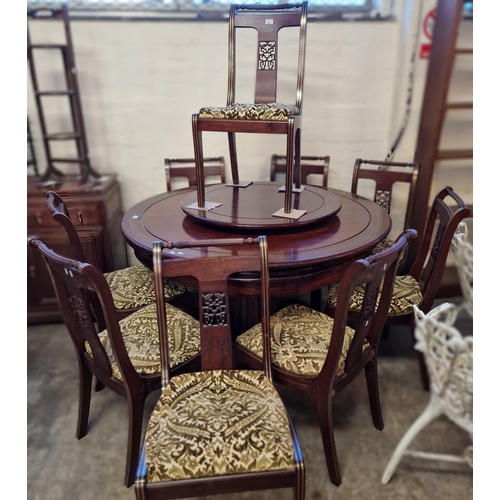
(448, 355)
(462, 250)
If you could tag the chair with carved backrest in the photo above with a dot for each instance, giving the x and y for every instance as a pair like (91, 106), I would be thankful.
(220, 430)
(313, 353)
(125, 356)
(185, 168)
(380, 178)
(463, 251)
(421, 284)
(131, 287)
(448, 355)
(309, 166)
(264, 115)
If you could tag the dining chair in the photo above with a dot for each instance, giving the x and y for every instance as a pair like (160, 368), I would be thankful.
(309, 166)
(380, 181)
(448, 355)
(185, 168)
(131, 287)
(420, 286)
(463, 252)
(125, 356)
(265, 115)
(220, 430)
(319, 355)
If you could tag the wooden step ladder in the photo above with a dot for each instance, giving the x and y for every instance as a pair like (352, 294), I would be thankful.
(71, 92)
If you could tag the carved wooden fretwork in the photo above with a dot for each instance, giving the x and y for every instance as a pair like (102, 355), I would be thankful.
(435, 248)
(267, 56)
(383, 198)
(214, 309)
(370, 301)
(80, 310)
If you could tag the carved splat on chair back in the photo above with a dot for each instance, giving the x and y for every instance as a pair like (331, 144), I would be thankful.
(267, 20)
(186, 168)
(309, 165)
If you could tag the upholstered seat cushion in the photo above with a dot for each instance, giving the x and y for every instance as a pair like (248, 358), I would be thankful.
(273, 111)
(383, 245)
(300, 338)
(141, 338)
(405, 295)
(217, 422)
(134, 287)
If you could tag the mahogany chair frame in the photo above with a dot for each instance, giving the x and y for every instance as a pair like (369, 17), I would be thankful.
(378, 271)
(186, 168)
(309, 165)
(213, 274)
(447, 211)
(64, 211)
(83, 294)
(252, 16)
(385, 177)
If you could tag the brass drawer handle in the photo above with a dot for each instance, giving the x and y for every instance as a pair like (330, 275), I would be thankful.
(39, 219)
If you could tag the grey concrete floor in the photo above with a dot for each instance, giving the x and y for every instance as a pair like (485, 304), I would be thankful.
(60, 467)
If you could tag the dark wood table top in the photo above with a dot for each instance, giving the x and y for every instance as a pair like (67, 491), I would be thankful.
(300, 260)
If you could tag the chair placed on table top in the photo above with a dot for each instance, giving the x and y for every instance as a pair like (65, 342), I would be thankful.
(309, 165)
(185, 168)
(125, 356)
(448, 355)
(420, 286)
(264, 115)
(220, 430)
(131, 287)
(463, 252)
(382, 176)
(313, 353)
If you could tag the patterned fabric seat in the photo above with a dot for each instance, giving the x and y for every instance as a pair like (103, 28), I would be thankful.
(300, 338)
(141, 337)
(273, 111)
(215, 423)
(133, 287)
(405, 295)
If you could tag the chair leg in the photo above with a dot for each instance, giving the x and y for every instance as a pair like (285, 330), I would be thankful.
(323, 404)
(299, 490)
(85, 393)
(136, 413)
(432, 411)
(99, 386)
(371, 375)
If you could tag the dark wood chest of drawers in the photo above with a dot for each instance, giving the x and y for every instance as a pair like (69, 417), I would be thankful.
(100, 207)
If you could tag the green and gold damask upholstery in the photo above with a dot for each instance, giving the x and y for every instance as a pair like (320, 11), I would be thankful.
(141, 338)
(383, 245)
(217, 422)
(134, 287)
(300, 338)
(405, 295)
(273, 111)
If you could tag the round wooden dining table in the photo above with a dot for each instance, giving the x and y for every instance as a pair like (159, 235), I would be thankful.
(302, 258)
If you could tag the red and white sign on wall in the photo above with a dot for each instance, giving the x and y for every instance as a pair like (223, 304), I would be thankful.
(428, 29)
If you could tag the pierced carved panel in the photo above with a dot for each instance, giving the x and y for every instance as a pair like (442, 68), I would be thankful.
(80, 310)
(383, 198)
(214, 309)
(267, 56)
(435, 247)
(370, 301)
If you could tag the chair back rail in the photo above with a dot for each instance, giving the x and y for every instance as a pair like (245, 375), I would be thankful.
(309, 165)
(186, 168)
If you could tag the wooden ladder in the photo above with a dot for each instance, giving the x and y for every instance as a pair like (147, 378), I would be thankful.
(72, 92)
